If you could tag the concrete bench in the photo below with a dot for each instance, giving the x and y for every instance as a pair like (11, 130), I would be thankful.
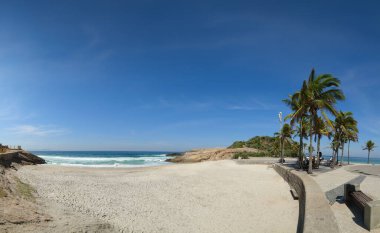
(369, 207)
(294, 194)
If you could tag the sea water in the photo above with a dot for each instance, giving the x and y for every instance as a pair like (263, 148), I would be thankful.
(104, 158)
(134, 158)
(359, 160)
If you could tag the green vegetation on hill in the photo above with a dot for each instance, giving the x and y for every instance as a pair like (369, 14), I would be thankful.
(24, 190)
(2, 193)
(267, 146)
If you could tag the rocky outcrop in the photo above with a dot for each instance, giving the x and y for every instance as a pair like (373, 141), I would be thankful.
(174, 154)
(19, 157)
(208, 154)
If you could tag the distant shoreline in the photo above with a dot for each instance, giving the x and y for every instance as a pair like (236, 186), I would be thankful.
(131, 159)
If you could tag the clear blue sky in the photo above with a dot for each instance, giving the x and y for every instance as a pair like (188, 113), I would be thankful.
(174, 75)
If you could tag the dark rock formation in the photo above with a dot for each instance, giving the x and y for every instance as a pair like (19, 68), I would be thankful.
(175, 154)
(19, 157)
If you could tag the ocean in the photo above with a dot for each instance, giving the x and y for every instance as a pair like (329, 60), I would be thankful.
(130, 158)
(104, 158)
(356, 159)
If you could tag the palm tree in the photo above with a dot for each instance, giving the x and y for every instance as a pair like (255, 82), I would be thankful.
(301, 132)
(304, 148)
(335, 144)
(343, 141)
(294, 102)
(318, 94)
(346, 128)
(352, 136)
(285, 136)
(332, 146)
(320, 129)
(370, 146)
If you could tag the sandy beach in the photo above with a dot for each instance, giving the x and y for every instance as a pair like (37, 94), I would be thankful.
(218, 196)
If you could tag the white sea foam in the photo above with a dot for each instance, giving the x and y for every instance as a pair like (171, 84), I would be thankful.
(112, 161)
(105, 165)
(156, 158)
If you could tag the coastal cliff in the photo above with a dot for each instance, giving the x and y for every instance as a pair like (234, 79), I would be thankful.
(19, 157)
(200, 155)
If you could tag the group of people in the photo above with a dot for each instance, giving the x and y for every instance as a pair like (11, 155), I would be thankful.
(305, 163)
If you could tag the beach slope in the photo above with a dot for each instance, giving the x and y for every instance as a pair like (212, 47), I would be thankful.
(216, 196)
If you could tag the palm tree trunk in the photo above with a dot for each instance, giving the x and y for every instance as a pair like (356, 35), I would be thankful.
(337, 154)
(282, 152)
(300, 154)
(333, 157)
(311, 147)
(341, 156)
(368, 155)
(318, 149)
(337, 148)
(301, 145)
(348, 152)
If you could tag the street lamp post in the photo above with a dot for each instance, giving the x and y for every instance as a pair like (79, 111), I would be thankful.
(280, 135)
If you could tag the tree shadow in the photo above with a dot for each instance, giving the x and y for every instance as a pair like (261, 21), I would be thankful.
(357, 212)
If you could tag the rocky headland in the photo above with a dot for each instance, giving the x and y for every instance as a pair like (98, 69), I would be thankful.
(19, 157)
(200, 155)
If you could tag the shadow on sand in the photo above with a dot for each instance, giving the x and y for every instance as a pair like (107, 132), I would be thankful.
(357, 212)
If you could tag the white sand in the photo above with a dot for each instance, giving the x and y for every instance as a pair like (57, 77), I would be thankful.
(218, 197)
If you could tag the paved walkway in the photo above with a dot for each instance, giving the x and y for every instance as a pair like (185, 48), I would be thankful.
(373, 170)
(264, 160)
(332, 183)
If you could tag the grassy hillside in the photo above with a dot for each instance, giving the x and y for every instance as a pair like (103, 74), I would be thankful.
(268, 146)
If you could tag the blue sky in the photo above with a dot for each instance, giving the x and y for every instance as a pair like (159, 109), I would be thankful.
(175, 75)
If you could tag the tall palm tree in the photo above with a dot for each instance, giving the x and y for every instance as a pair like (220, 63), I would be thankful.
(332, 146)
(352, 137)
(335, 144)
(304, 148)
(285, 135)
(318, 94)
(343, 142)
(294, 102)
(345, 126)
(301, 132)
(320, 129)
(370, 146)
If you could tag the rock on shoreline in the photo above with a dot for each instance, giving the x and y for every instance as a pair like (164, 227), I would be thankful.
(175, 154)
(200, 155)
(19, 157)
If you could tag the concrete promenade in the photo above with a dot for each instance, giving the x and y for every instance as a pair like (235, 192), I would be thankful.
(331, 182)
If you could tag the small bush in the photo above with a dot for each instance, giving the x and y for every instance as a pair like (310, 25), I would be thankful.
(24, 190)
(237, 144)
(2, 193)
(260, 154)
(246, 155)
(242, 155)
